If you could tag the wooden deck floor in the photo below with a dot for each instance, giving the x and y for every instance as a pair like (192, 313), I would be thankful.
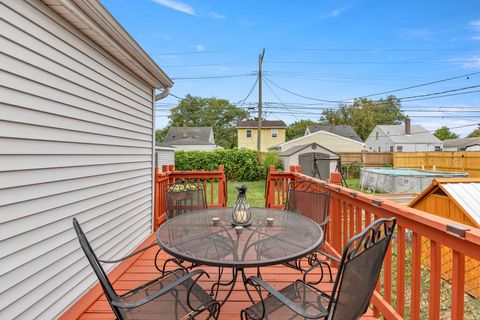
(142, 270)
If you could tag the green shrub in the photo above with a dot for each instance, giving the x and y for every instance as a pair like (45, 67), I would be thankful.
(240, 165)
(271, 158)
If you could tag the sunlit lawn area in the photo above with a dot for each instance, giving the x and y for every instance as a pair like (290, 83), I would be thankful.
(255, 192)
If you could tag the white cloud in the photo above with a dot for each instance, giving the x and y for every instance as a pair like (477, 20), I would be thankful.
(475, 24)
(176, 5)
(245, 22)
(216, 15)
(200, 47)
(472, 62)
(333, 14)
(417, 33)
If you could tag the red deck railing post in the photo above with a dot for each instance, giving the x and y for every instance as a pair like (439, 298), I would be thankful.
(458, 285)
(222, 187)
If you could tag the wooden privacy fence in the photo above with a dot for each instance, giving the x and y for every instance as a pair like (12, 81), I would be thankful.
(214, 183)
(398, 291)
(443, 161)
(368, 159)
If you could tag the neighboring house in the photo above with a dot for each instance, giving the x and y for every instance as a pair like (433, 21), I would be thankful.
(343, 131)
(327, 140)
(164, 155)
(465, 144)
(402, 138)
(315, 160)
(273, 133)
(457, 199)
(77, 128)
(191, 138)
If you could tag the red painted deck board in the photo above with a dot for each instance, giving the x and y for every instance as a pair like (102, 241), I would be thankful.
(143, 270)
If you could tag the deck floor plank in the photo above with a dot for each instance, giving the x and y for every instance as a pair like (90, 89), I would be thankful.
(143, 270)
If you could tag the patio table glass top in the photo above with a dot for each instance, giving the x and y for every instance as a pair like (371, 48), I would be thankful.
(194, 237)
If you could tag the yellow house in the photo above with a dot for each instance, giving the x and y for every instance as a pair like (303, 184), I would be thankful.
(273, 133)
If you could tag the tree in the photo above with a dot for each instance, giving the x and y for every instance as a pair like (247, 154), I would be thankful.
(364, 114)
(297, 128)
(444, 133)
(475, 133)
(209, 112)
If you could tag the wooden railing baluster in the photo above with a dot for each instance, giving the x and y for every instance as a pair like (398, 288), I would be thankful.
(416, 276)
(400, 270)
(458, 285)
(435, 280)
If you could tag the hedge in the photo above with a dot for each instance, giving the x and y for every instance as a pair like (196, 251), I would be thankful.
(240, 165)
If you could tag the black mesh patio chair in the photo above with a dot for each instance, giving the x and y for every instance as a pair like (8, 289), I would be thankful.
(310, 199)
(355, 282)
(182, 196)
(174, 295)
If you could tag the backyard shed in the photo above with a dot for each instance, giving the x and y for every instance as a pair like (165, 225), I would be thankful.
(457, 199)
(315, 160)
(77, 128)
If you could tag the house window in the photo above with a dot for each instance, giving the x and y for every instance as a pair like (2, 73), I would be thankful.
(438, 148)
(376, 135)
(391, 148)
(399, 148)
(274, 133)
(248, 133)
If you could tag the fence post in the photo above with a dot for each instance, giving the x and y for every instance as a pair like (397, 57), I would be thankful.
(222, 187)
(164, 167)
(269, 192)
(335, 178)
(298, 169)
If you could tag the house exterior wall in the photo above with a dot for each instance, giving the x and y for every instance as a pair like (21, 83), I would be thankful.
(383, 143)
(76, 140)
(266, 140)
(164, 157)
(329, 141)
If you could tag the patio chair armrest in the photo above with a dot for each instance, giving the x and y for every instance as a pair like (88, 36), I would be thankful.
(329, 256)
(324, 222)
(287, 302)
(162, 291)
(128, 256)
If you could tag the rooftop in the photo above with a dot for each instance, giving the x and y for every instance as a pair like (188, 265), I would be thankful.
(193, 135)
(344, 131)
(461, 143)
(265, 124)
(417, 134)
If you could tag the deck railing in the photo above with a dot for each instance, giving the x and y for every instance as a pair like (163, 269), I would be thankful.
(214, 183)
(401, 290)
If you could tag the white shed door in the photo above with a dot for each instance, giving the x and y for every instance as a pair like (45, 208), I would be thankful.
(75, 141)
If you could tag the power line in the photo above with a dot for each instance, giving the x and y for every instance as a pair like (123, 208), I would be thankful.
(372, 49)
(214, 76)
(286, 107)
(421, 85)
(376, 62)
(300, 95)
(242, 102)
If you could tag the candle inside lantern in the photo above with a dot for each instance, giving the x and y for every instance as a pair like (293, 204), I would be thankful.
(241, 216)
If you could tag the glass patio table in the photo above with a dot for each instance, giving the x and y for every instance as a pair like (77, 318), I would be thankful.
(196, 238)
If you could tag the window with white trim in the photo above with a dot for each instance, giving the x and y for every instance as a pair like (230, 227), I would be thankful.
(399, 148)
(248, 133)
(274, 133)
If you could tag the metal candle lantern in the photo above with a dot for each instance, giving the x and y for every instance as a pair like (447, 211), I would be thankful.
(241, 213)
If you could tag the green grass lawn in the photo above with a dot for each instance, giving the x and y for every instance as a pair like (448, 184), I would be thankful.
(255, 193)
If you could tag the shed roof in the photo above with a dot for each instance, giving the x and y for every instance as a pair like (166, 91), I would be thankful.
(298, 148)
(265, 124)
(418, 134)
(461, 143)
(465, 192)
(194, 135)
(344, 131)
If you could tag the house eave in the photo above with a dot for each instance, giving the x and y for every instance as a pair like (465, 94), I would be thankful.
(92, 19)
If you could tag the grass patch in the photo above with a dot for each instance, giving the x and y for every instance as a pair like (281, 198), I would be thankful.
(255, 193)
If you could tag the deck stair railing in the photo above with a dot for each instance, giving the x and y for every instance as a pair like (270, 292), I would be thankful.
(409, 287)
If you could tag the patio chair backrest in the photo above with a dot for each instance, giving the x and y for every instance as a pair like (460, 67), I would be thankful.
(101, 275)
(359, 270)
(309, 198)
(184, 196)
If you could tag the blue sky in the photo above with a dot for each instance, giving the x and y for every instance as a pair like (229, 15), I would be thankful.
(323, 50)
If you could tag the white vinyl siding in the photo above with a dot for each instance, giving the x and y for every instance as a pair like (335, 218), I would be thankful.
(75, 141)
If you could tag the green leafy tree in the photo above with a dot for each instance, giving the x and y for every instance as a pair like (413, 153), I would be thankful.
(475, 133)
(364, 114)
(444, 133)
(160, 134)
(219, 114)
(297, 128)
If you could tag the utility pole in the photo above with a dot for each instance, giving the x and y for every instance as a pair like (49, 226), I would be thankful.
(259, 131)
